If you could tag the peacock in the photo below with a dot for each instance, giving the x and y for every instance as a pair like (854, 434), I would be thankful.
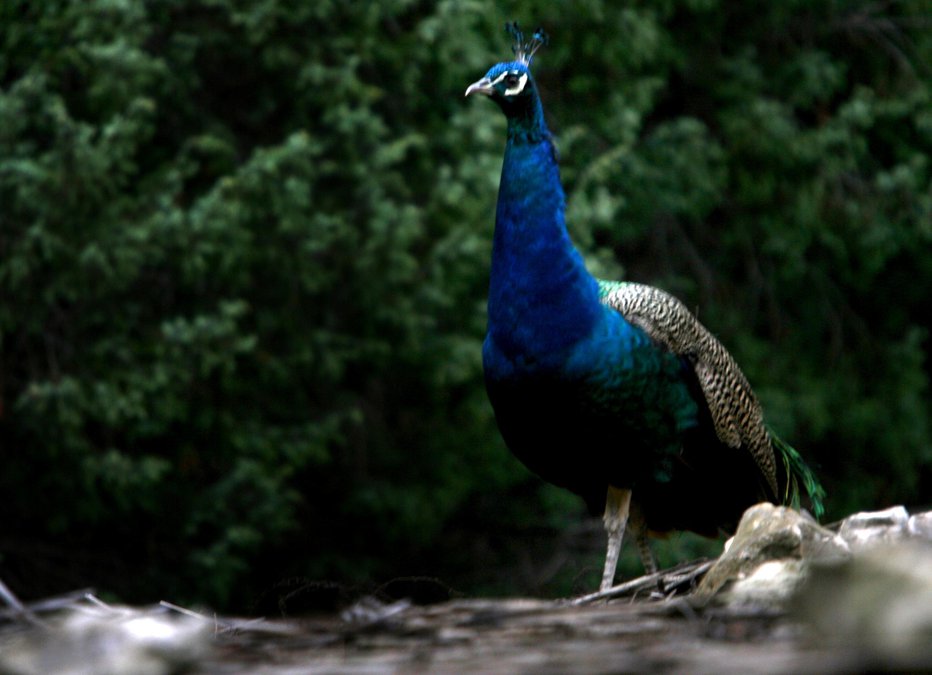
(612, 390)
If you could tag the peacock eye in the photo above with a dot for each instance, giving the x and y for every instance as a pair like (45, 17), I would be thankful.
(511, 81)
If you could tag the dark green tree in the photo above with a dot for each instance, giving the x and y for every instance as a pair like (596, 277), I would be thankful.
(244, 251)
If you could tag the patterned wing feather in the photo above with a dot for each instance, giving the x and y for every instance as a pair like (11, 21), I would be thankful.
(736, 412)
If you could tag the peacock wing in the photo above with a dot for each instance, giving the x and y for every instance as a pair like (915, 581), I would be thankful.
(735, 410)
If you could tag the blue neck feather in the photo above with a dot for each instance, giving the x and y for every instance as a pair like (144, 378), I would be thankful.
(542, 300)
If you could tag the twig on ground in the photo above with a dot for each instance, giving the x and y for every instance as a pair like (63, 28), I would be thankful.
(183, 610)
(259, 624)
(18, 609)
(670, 579)
(49, 605)
(674, 581)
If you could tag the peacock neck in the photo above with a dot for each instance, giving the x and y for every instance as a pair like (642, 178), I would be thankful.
(526, 122)
(542, 300)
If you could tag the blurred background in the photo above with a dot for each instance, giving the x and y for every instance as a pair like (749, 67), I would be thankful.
(244, 252)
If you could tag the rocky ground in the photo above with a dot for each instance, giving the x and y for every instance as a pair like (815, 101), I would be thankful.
(787, 596)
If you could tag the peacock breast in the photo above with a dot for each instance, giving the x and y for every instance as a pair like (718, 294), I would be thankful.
(608, 410)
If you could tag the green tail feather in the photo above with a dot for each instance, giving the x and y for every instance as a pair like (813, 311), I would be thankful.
(797, 471)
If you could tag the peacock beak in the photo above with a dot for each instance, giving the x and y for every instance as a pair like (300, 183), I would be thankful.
(483, 86)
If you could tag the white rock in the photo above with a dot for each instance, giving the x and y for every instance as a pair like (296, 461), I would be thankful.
(771, 584)
(878, 604)
(920, 526)
(770, 533)
(868, 529)
(115, 641)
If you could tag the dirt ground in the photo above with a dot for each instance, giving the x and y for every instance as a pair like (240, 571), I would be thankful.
(636, 630)
(536, 636)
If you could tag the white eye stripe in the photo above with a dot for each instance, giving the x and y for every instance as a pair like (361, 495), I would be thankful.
(518, 87)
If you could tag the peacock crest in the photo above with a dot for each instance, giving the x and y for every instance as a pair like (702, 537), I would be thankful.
(524, 49)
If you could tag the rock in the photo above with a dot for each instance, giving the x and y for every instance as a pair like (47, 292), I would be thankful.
(116, 641)
(877, 604)
(370, 611)
(771, 584)
(769, 533)
(865, 530)
(919, 526)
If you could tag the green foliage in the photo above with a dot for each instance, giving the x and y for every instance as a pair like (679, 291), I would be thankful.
(244, 251)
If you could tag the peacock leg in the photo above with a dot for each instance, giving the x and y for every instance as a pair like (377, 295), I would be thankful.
(643, 543)
(617, 506)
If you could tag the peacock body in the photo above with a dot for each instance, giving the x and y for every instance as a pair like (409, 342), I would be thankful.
(611, 390)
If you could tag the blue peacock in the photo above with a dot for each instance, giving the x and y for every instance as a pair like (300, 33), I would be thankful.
(612, 390)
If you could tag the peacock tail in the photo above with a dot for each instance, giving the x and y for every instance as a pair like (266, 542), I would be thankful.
(797, 471)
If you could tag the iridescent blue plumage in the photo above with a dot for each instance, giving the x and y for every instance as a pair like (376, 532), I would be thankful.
(592, 396)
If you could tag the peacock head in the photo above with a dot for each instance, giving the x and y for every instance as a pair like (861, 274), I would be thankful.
(509, 83)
